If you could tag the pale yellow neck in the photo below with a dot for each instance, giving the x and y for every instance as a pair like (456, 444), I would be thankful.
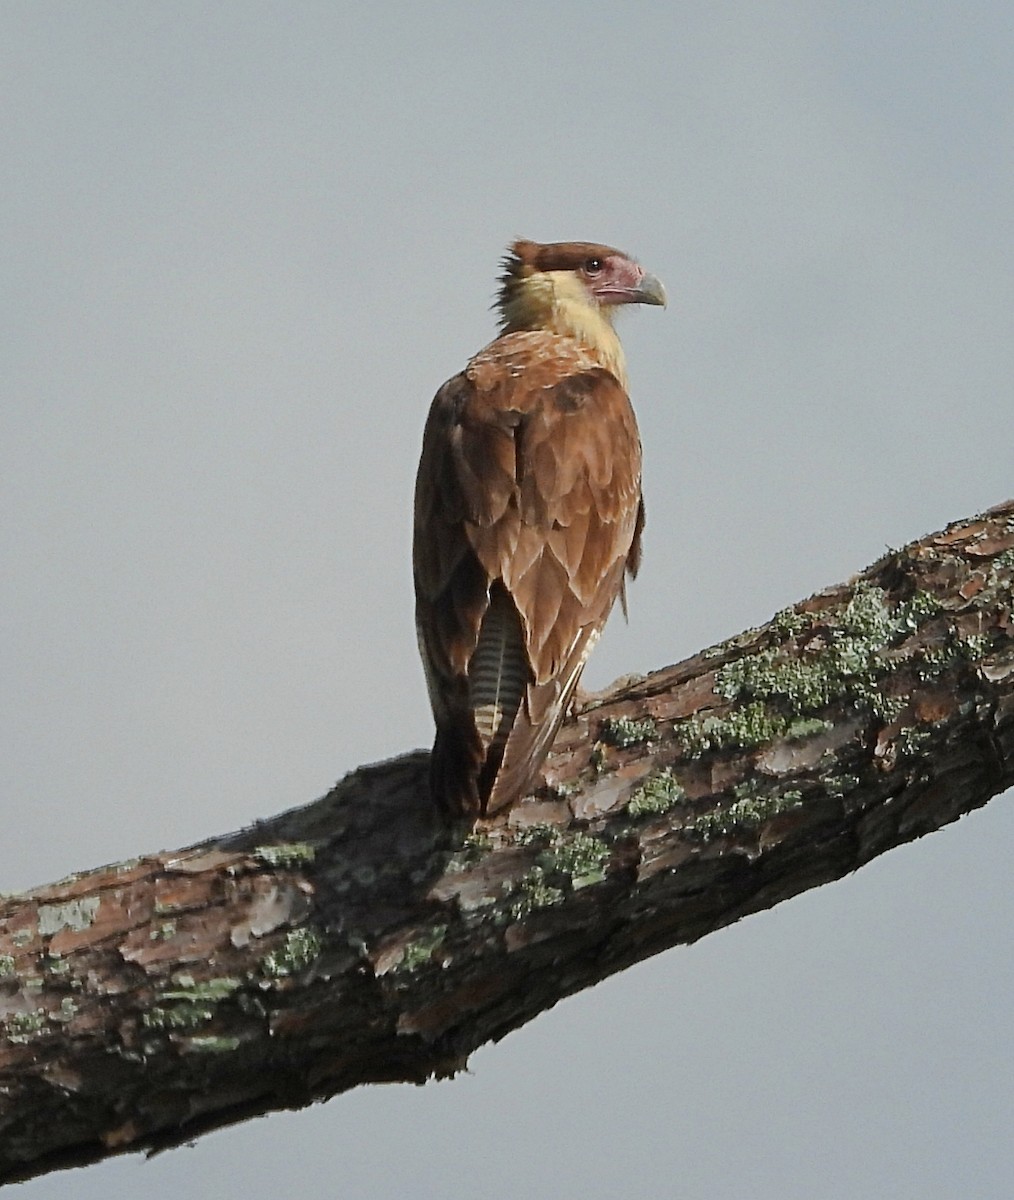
(557, 302)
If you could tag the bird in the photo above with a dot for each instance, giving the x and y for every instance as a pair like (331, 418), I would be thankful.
(528, 518)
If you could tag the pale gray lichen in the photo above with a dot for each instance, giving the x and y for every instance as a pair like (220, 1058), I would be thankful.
(74, 915)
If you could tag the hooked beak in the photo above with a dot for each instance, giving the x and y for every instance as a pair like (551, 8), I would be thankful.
(649, 291)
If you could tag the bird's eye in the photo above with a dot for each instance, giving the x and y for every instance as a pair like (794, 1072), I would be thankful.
(593, 266)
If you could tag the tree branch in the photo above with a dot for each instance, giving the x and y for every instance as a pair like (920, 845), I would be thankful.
(356, 940)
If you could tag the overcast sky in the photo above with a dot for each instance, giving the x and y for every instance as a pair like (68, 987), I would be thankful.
(243, 244)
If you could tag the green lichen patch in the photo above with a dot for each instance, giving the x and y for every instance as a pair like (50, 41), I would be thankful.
(625, 731)
(537, 834)
(578, 859)
(788, 622)
(933, 661)
(533, 892)
(189, 1003)
(840, 785)
(22, 1027)
(917, 610)
(66, 1012)
(210, 991)
(473, 849)
(286, 854)
(849, 665)
(477, 843)
(420, 951)
(745, 728)
(656, 795)
(7, 967)
(177, 1016)
(209, 1044)
(868, 616)
(912, 740)
(806, 727)
(748, 812)
(976, 646)
(300, 948)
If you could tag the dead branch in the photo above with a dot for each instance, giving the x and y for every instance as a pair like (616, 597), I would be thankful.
(356, 940)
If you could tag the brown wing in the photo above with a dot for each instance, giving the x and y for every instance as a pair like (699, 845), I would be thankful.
(528, 511)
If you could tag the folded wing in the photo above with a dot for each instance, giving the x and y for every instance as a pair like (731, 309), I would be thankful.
(528, 514)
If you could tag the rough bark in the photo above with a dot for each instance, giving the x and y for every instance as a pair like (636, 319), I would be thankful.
(357, 940)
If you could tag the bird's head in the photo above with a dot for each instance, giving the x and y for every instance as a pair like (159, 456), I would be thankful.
(540, 277)
(573, 289)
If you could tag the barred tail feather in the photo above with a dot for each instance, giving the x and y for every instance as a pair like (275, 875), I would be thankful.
(535, 728)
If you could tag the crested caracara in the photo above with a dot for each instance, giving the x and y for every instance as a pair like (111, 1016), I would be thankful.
(528, 515)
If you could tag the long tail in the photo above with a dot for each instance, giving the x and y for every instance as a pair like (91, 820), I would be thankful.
(469, 749)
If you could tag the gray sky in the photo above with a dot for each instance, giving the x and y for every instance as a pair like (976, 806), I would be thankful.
(242, 246)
